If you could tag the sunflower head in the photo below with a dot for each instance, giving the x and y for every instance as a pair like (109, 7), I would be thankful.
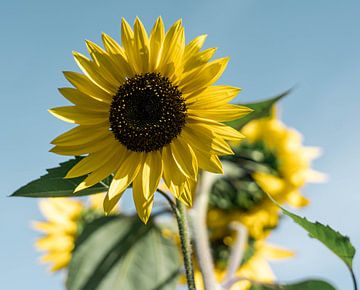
(271, 159)
(145, 110)
(65, 219)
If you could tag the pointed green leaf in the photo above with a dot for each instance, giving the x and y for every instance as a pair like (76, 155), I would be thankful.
(53, 184)
(261, 110)
(304, 285)
(123, 253)
(340, 245)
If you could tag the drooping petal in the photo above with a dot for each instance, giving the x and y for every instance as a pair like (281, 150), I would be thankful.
(89, 147)
(143, 203)
(184, 158)
(126, 173)
(201, 137)
(95, 160)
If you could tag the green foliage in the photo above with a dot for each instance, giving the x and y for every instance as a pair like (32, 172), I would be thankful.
(53, 183)
(340, 245)
(123, 253)
(261, 109)
(304, 285)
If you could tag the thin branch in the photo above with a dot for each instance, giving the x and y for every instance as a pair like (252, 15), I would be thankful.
(200, 233)
(237, 253)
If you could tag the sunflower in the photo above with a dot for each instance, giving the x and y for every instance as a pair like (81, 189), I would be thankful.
(147, 110)
(271, 159)
(65, 220)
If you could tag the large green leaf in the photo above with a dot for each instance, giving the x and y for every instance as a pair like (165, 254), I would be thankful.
(261, 110)
(304, 285)
(340, 245)
(121, 253)
(53, 183)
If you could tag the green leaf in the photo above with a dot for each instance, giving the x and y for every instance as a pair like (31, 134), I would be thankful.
(123, 253)
(304, 285)
(340, 245)
(261, 110)
(53, 183)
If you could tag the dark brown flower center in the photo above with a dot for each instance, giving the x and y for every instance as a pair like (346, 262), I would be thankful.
(147, 113)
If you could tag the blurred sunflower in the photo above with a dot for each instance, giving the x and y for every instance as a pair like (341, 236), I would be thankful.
(271, 159)
(147, 110)
(65, 220)
(254, 266)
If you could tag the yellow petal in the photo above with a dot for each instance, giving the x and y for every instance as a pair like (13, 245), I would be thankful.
(201, 137)
(211, 97)
(83, 148)
(204, 76)
(60, 260)
(194, 46)
(118, 57)
(173, 177)
(271, 184)
(111, 45)
(81, 135)
(184, 158)
(143, 205)
(82, 100)
(173, 48)
(55, 243)
(85, 85)
(110, 203)
(219, 129)
(75, 115)
(199, 59)
(141, 46)
(209, 162)
(128, 42)
(105, 65)
(94, 73)
(223, 113)
(94, 161)
(156, 40)
(126, 173)
(151, 172)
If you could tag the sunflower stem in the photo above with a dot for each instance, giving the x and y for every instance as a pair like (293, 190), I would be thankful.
(179, 211)
(185, 244)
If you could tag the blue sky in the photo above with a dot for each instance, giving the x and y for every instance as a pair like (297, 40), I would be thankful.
(273, 45)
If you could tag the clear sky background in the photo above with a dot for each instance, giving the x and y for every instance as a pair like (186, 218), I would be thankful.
(272, 44)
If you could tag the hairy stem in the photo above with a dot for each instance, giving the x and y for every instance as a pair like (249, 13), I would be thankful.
(179, 211)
